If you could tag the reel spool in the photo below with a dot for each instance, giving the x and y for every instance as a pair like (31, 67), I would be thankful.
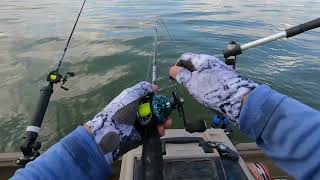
(159, 108)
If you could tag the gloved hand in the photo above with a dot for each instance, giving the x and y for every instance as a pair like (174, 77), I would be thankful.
(113, 127)
(212, 83)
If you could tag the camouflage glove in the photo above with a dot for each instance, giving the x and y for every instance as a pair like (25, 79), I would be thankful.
(113, 127)
(212, 83)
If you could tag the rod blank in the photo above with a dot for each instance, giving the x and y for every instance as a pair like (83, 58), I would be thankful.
(263, 40)
(154, 64)
(70, 36)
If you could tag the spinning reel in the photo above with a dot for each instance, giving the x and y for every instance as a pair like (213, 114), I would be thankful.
(158, 108)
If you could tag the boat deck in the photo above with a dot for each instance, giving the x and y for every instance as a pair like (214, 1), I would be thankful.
(250, 152)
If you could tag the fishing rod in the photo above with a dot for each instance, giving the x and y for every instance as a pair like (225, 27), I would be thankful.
(154, 109)
(233, 49)
(152, 160)
(30, 147)
(157, 109)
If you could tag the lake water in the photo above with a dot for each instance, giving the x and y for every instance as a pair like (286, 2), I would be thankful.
(111, 48)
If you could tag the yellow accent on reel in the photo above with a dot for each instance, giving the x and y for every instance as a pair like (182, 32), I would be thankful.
(53, 77)
(144, 109)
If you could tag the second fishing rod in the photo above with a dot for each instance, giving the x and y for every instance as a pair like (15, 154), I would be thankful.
(30, 147)
(234, 49)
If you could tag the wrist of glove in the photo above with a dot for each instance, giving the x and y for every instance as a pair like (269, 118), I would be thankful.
(212, 83)
(113, 128)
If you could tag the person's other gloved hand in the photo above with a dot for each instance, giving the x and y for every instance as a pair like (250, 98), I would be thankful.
(212, 83)
(113, 127)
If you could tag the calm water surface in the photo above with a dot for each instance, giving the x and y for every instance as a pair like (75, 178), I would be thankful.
(111, 48)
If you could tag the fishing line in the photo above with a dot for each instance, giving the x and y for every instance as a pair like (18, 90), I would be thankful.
(161, 21)
(165, 88)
